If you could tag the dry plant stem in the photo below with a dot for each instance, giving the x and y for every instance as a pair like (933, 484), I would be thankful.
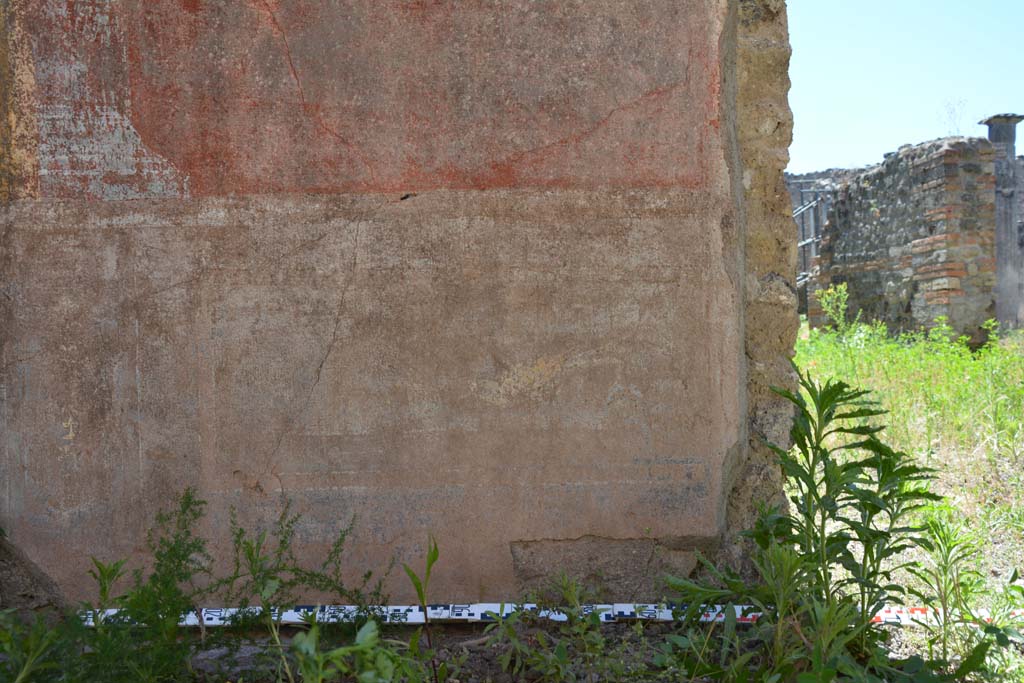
(275, 633)
(475, 642)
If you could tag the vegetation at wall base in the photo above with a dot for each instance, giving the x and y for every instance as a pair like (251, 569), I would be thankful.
(876, 516)
(830, 562)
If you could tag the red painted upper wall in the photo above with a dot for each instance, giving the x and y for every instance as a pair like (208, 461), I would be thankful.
(217, 97)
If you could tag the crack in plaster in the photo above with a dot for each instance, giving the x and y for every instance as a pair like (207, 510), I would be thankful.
(579, 136)
(338, 317)
(308, 108)
(509, 162)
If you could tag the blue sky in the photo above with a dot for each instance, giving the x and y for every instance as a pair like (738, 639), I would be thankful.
(871, 75)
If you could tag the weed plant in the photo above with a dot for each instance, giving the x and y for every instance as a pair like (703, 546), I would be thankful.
(865, 528)
(135, 636)
(577, 648)
(428, 656)
(828, 565)
(367, 660)
(958, 408)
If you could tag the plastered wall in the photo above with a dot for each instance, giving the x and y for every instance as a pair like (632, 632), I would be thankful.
(514, 274)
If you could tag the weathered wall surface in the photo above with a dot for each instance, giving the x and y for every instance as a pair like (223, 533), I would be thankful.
(503, 273)
(764, 128)
(913, 238)
(1019, 194)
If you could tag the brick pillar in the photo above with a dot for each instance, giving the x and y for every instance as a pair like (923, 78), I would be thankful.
(1002, 132)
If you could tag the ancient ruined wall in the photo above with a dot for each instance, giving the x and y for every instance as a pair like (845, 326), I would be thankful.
(764, 129)
(913, 238)
(512, 274)
(1019, 194)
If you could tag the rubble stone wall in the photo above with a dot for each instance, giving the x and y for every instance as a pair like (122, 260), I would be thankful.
(913, 238)
(1019, 194)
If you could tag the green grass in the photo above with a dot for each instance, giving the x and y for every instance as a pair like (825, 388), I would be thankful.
(958, 410)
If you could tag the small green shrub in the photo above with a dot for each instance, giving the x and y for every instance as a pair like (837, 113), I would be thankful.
(25, 650)
(834, 302)
(576, 649)
(959, 409)
(950, 584)
(267, 577)
(367, 660)
(264, 579)
(141, 640)
(421, 585)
